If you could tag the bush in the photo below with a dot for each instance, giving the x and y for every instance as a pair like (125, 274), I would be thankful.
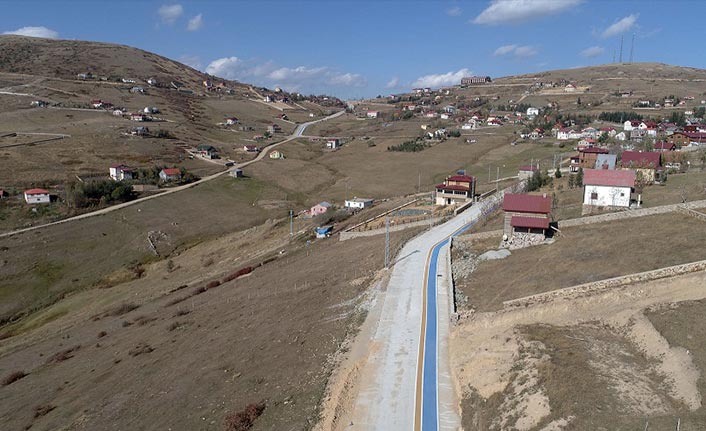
(102, 334)
(40, 411)
(123, 308)
(63, 355)
(12, 377)
(238, 273)
(409, 147)
(244, 420)
(212, 284)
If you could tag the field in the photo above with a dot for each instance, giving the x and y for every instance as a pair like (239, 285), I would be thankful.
(88, 252)
(584, 254)
(157, 351)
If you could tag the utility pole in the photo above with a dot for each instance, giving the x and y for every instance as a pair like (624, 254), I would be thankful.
(621, 49)
(488, 173)
(419, 183)
(291, 222)
(497, 179)
(387, 241)
(632, 46)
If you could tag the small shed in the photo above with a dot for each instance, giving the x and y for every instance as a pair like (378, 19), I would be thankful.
(527, 214)
(236, 173)
(170, 174)
(324, 231)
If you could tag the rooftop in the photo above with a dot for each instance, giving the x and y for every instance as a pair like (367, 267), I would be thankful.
(527, 203)
(604, 177)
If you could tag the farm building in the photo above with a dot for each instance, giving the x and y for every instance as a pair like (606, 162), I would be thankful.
(207, 151)
(37, 196)
(358, 203)
(332, 144)
(526, 172)
(607, 188)
(472, 80)
(455, 190)
(526, 214)
(276, 154)
(236, 173)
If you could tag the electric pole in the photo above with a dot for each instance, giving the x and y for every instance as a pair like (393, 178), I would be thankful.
(291, 222)
(387, 241)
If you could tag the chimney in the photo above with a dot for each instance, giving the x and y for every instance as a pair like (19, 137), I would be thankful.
(544, 195)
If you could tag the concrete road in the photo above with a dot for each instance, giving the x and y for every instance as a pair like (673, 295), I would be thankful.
(297, 133)
(406, 383)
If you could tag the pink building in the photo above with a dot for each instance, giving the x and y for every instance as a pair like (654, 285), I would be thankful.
(319, 208)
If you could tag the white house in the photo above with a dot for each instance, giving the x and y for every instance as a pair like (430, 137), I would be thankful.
(37, 196)
(608, 188)
(121, 172)
(372, 114)
(621, 136)
(532, 112)
(358, 203)
(332, 144)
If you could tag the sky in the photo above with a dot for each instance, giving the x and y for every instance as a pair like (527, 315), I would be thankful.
(364, 48)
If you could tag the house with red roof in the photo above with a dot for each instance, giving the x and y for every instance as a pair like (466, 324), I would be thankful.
(525, 172)
(683, 139)
(607, 188)
(526, 214)
(647, 163)
(663, 146)
(37, 196)
(170, 174)
(456, 190)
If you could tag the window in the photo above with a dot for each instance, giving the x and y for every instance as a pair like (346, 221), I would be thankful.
(594, 196)
(622, 194)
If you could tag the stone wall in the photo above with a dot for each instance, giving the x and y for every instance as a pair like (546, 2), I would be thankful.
(602, 285)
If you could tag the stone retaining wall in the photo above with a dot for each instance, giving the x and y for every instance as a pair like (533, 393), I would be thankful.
(609, 283)
(395, 228)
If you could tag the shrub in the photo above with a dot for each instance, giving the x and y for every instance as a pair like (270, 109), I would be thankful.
(123, 308)
(212, 284)
(409, 147)
(181, 312)
(40, 411)
(63, 355)
(238, 273)
(140, 349)
(199, 291)
(176, 301)
(12, 377)
(244, 420)
(102, 334)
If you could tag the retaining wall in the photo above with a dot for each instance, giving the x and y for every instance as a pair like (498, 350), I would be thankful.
(609, 283)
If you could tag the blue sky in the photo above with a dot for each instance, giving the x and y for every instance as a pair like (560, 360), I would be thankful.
(363, 48)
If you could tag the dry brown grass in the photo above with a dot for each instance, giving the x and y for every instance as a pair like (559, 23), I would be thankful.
(584, 254)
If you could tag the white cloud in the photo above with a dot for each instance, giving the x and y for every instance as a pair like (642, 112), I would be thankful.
(195, 23)
(290, 78)
(454, 11)
(441, 79)
(505, 49)
(517, 51)
(516, 11)
(593, 51)
(226, 67)
(347, 80)
(620, 26)
(35, 32)
(392, 83)
(170, 13)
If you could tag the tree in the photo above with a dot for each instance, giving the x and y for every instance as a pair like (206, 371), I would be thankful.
(578, 181)
(572, 181)
(557, 173)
